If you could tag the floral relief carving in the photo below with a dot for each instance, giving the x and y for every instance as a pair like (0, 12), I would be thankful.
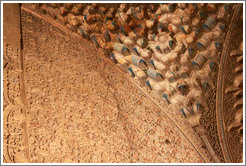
(13, 116)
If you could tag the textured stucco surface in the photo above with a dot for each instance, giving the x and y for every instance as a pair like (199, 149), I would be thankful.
(63, 102)
(79, 109)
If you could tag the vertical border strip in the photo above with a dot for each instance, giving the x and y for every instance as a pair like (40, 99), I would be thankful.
(220, 86)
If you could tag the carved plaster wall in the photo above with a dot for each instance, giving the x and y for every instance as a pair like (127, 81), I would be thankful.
(65, 102)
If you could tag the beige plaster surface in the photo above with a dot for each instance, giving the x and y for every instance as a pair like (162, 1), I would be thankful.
(72, 106)
(79, 109)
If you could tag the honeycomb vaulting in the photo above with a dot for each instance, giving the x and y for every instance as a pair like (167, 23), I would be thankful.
(160, 99)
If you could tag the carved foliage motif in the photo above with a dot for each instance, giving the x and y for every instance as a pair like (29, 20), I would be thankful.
(233, 95)
(13, 117)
